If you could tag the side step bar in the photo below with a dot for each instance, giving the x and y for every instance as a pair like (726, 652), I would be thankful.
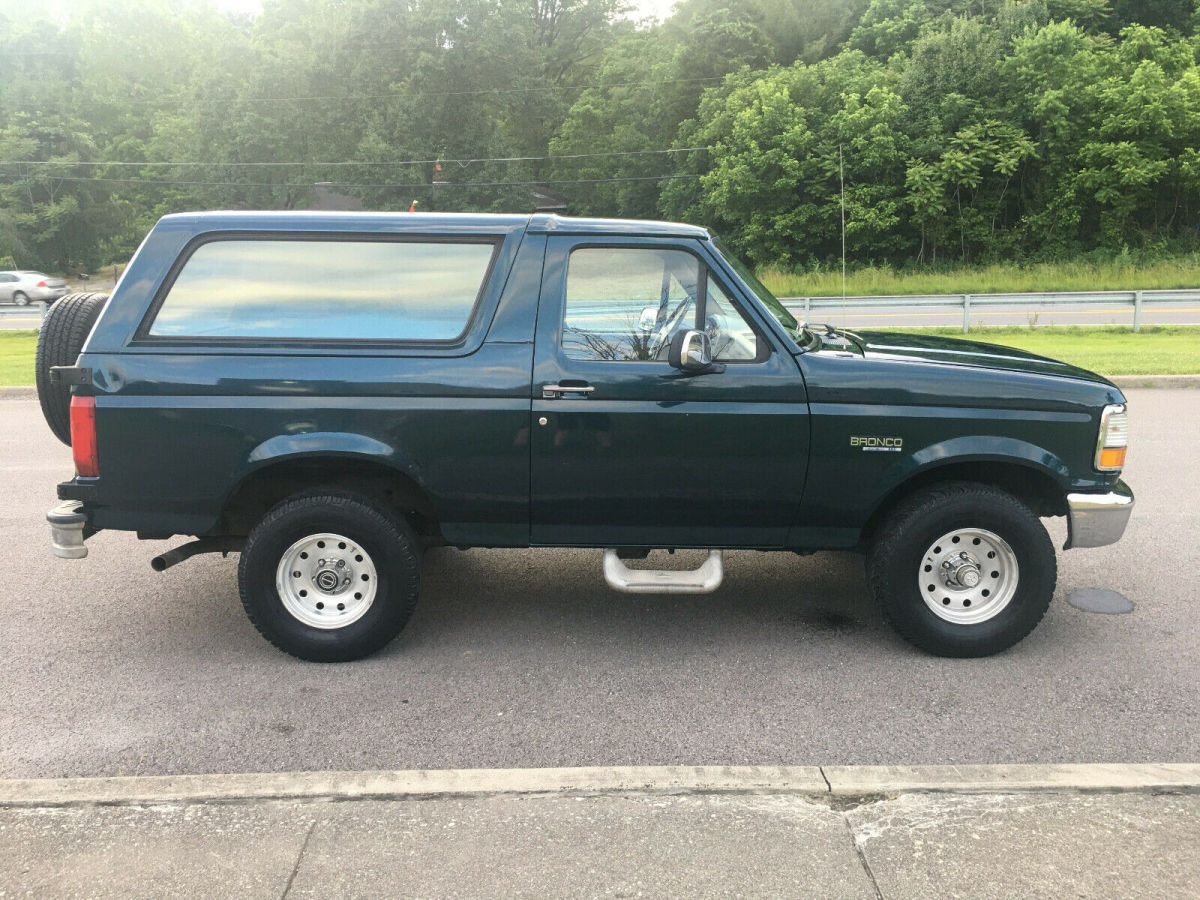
(703, 580)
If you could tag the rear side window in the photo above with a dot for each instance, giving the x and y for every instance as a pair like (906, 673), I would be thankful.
(326, 290)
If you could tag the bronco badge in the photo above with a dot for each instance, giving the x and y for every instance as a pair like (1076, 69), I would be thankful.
(878, 444)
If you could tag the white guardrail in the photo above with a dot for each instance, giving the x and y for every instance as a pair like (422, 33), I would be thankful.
(32, 311)
(1133, 300)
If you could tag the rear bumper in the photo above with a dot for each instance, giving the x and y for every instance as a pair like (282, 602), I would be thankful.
(1096, 520)
(67, 521)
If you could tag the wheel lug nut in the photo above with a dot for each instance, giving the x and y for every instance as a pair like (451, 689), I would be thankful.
(341, 563)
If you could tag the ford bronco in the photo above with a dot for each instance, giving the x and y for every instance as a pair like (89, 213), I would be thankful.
(330, 394)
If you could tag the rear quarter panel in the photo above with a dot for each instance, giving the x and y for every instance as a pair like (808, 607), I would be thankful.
(180, 426)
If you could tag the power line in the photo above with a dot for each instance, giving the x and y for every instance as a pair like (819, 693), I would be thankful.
(348, 184)
(407, 162)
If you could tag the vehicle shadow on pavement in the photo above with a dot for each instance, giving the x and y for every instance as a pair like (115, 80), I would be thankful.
(553, 595)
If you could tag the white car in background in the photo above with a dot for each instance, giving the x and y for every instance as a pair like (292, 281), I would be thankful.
(23, 287)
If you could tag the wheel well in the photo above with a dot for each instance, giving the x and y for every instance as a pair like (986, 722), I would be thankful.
(1040, 492)
(262, 489)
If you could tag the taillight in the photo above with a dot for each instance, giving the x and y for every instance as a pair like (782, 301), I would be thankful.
(83, 436)
(41, 284)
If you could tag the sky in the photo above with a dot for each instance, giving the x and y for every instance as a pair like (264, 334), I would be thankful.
(659, 9)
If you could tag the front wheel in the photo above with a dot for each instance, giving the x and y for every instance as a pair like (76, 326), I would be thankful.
(963, 570)
(329, 576)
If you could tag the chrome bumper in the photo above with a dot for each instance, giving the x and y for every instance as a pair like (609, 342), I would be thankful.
(1096, 520)
(67, 521)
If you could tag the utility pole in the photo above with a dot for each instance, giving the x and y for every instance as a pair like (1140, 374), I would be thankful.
(842, 181)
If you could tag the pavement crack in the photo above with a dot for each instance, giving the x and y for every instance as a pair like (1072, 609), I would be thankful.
(862, 857)
(299, 856)
(825, 777)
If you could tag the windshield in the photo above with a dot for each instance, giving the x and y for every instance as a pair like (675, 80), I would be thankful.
(786, 319)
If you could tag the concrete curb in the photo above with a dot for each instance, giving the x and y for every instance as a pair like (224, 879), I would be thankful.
(1100, 777)
(20, 392)
(815, 781)
(408, 784)
(1155, 381)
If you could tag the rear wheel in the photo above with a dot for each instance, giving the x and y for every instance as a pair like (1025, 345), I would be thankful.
(20, 299)
(329, 576)
(963, 570)
(64, 330)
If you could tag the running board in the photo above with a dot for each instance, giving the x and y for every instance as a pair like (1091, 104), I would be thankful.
(703, 580)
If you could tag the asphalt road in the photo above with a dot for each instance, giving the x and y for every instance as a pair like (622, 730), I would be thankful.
(526, 659)
(20, 322)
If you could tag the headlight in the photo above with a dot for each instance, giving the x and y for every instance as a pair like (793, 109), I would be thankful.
(1114, 438)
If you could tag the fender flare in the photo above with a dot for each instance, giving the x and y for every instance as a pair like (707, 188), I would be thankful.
(332, 445)
(970, 449)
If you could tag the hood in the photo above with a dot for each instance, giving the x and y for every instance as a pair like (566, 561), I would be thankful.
(935, 348)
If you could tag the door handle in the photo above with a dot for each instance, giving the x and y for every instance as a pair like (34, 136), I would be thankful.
(554, 391)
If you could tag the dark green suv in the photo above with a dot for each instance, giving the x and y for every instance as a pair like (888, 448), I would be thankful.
(330, 394)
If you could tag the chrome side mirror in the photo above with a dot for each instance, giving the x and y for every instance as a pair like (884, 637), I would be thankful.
(691, 352)
(648, 320)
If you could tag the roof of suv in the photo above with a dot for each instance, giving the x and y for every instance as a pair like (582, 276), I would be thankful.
(319, 220)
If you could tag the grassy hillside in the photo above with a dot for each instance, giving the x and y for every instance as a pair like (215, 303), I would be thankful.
(16, 357)
(1156, 350)
(1180, 272)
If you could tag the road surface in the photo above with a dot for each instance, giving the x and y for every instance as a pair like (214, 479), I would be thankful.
(525, 658)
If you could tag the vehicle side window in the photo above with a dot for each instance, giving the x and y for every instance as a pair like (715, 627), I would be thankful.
(8, 278)
(731, 337)
(326, 290)
(625, 304)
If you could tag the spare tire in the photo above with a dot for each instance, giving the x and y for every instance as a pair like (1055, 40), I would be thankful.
(67, 324)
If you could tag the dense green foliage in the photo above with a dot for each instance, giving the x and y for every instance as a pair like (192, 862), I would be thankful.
(963, 131)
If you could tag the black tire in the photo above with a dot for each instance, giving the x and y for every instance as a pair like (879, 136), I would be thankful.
(898, 556)
(20, 298)
(64, 330)
(389, 545)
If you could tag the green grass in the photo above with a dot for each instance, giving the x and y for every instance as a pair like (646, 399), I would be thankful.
(1179, 272)
(16, 357)
(1156, 350)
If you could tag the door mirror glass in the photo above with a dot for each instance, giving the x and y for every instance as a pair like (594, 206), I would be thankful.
(648, 320)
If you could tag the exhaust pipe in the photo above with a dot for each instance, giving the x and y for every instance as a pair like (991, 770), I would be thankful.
(224, 546)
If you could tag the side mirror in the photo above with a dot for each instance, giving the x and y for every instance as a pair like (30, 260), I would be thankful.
(691, 353)
(648, 320)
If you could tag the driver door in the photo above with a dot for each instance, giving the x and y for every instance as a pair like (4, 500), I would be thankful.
(627, 451)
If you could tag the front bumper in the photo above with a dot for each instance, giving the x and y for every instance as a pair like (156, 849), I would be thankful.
(67, 521)
(1096, 520)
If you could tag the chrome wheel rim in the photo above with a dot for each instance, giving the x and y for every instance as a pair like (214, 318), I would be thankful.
(326, 581)
(968, 576)
(20, 299)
